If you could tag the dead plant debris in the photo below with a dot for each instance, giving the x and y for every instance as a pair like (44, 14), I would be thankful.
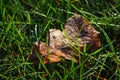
(77, 32)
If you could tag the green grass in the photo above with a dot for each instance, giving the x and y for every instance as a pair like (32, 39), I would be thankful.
(24, 22)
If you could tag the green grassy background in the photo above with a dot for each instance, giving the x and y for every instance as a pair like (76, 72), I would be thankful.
(24, 22)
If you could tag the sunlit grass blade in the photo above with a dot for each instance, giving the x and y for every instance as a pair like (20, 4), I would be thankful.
(20, 35)
(3, 15)
(47, 71)
(97, 51)
(80, 11)
(28, 18)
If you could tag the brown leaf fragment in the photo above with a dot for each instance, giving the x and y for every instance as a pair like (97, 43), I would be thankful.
(77, 31)
(81, 32)
(48, 54)
(57, 38)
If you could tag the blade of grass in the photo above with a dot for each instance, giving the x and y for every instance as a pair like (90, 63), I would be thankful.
(43, 64)
(103, 63)
(3, 76)
(9, 26)
(28, 18)
(85, 48)
(20, 35)
(97, 51)
(15, 67)
(43, 15)
(80, 11)
(3, 15)
(59, 75)
(107, 38)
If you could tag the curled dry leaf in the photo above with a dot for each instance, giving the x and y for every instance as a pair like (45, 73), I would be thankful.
(47, 53)
(78, 31)
(81, 32)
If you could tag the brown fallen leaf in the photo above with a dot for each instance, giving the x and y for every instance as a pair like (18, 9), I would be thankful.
(48, 54)
(78, 32)
(57, 38)
(81, 32)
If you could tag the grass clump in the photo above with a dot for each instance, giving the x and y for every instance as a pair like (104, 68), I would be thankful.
(24, 22)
